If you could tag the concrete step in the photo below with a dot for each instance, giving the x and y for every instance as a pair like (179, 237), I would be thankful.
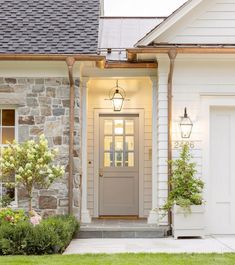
(123, 232)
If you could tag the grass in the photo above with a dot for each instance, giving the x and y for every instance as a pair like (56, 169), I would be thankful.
(122, 259)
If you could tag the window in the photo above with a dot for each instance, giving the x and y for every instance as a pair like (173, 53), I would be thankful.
(119, 138)
(7, 134)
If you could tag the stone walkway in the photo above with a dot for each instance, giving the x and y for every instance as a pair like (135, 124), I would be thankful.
(218, 244)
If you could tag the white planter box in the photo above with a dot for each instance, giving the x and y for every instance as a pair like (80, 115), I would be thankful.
(186, 224)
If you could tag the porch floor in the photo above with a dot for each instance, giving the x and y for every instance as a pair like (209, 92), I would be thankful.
(121, 228)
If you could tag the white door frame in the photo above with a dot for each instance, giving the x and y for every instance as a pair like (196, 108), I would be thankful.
(140, 113)
(208, 101)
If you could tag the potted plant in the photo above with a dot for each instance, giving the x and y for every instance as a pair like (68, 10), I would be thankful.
(185, 199)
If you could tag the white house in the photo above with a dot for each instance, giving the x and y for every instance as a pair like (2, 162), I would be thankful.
(163, 65)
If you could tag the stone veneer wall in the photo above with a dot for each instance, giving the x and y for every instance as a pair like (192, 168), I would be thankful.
(43, 107)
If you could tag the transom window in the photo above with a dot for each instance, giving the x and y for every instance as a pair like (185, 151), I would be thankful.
(119, 143)
(7, 134)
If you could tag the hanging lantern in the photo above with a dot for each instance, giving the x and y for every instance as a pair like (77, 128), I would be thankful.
(186, 125)
(117, 96)
(117, 100)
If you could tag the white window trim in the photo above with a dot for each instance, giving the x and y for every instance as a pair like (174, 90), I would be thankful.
(14, 204)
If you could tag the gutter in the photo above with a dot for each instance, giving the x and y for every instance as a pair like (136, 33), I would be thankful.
(70, 63)
(172, 56)
(190, 49)
(50, 57)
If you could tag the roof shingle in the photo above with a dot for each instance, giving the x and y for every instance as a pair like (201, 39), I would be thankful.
(49, 26)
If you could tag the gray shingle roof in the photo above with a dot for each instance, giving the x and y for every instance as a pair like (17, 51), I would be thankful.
(49, 26)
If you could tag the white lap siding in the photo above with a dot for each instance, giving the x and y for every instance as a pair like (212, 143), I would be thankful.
(195, 76)
(210, 22)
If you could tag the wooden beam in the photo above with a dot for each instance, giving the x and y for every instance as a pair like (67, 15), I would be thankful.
(131, 56)
(126, 65)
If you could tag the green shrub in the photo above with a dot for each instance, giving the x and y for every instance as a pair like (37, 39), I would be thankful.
(13, 239)
(51, 236)
(64, 227)
(7, 215)
(186, 189)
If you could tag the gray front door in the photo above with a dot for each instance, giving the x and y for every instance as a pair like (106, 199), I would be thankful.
(118, 169)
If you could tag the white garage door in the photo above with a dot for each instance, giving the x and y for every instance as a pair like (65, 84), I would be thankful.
(222, 171)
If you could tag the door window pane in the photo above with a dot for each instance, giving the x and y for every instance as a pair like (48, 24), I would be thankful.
(108, 127)
(129, 161)
(118, 127)
(118, 159)
(108, 142)
(8, 117)
(129, 126)
(8, 135)
(108, 159)
(118, 143)
(129, 143)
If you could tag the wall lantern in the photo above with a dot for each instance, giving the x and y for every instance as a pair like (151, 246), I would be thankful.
(186, 125)
(117, 95)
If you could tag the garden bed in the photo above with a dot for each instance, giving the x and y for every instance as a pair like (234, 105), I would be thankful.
(19, 236)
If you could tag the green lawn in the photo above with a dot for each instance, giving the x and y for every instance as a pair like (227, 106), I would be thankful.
(122, 259)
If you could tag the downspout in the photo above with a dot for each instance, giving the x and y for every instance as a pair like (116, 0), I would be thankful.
(70, 63)
(172, 56)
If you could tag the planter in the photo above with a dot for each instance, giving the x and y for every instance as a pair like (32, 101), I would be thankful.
(188, 224)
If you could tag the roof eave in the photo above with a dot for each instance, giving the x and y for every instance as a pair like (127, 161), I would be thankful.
(132, 54)
(50, 57)
(168, 22)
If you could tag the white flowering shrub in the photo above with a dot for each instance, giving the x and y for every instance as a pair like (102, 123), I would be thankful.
(32, 164)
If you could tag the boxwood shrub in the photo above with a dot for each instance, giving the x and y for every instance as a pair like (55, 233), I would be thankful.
(51, 236)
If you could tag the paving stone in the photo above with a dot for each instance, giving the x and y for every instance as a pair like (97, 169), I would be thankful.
(91, 234)
(151, 245)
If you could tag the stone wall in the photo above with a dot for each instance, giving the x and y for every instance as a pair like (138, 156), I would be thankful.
(43, 108)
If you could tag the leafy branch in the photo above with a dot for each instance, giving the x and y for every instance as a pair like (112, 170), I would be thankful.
(186, 188)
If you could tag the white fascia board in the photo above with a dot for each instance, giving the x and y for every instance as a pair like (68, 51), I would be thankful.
(169, 22)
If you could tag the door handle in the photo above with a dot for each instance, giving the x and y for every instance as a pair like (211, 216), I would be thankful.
(101, 173)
